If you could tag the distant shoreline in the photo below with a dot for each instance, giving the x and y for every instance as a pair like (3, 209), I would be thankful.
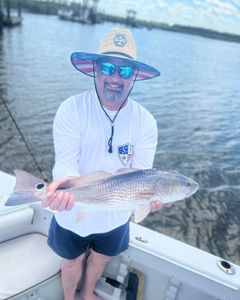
(178, 28)
(52, 8)
(202, 32)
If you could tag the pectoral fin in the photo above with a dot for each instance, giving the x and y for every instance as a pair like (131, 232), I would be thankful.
(141, 213)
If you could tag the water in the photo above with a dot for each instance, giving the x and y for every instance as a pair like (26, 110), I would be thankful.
(195, 102)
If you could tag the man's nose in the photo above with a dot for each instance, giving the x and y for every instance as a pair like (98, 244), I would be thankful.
(116, 75)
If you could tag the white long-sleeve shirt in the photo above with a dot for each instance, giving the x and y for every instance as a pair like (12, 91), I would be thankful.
(81, 132)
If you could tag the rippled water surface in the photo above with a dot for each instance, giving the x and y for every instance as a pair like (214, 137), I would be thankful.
(196, 102)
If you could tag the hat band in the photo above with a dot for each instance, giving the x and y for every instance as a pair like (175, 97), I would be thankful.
(119, 53)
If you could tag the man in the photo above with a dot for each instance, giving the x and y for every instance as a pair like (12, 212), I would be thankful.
(98, 130)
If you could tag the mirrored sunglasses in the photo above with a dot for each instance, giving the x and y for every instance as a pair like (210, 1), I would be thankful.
(108, 69)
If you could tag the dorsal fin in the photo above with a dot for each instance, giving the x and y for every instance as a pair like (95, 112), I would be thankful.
(126, 170)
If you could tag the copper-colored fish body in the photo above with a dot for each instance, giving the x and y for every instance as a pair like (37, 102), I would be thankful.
(128, 189)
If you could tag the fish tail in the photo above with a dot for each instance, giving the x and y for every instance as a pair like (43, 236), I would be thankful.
(20, 198)
(26, 189)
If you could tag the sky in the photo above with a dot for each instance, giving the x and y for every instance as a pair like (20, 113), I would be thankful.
(219, 15)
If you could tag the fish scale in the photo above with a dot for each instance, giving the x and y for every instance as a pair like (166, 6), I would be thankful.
(119, 192)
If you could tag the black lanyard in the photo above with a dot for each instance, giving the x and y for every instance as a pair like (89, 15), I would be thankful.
(110, 147)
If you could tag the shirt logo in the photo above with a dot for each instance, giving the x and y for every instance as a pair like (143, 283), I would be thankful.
(125, 153)
(119, 40)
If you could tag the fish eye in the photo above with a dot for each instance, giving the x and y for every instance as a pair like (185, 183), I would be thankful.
(39, 186)
(188, 183)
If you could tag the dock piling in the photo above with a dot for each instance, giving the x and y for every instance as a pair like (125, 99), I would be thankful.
(9, 20)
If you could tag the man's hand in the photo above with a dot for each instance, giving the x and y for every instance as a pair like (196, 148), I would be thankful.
(58, 200)
(157, 205)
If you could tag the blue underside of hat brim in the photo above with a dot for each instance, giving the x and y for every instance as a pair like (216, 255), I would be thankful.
(83, 62)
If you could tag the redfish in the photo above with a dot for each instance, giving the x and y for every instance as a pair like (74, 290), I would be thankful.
(126, 190)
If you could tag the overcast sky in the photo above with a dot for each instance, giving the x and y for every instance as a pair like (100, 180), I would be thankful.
(220, 15)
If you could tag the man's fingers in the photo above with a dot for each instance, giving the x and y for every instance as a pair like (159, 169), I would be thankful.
(57, 200)
(47, 200)
(156, 205)
(67, 202)
(70, 203)
(63, 201)
(53, 186)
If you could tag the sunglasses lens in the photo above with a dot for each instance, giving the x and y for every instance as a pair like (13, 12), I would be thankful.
(126, 72)
(108, 69)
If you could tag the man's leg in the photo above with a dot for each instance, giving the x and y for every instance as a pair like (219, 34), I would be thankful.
(71, 274)
(95, 266)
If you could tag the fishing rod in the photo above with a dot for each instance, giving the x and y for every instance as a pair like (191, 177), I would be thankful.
(43, 174)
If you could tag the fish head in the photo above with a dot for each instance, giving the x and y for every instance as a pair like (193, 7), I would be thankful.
(172, 186)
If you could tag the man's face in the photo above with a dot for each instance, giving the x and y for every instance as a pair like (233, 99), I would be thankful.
(114, 79)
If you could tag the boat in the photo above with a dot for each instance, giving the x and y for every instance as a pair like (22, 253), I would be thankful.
(84, 14)
(12, 21)
(155, 267)
(65, 14)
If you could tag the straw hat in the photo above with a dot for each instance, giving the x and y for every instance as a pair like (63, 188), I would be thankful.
(117, 43)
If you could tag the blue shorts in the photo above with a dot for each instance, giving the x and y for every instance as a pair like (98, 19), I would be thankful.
(70, 245)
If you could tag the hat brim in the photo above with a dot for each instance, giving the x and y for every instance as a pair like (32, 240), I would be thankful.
(83, 62)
